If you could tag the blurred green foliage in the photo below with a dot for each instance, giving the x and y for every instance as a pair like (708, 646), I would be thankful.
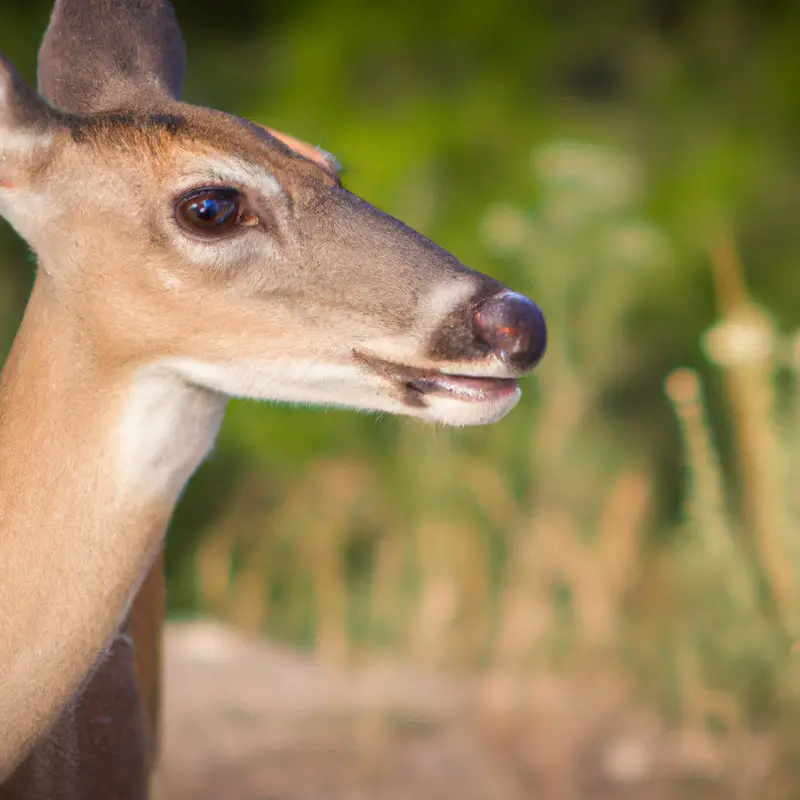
(594, 156)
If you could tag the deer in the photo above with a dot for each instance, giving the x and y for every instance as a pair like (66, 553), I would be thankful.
(185, 256)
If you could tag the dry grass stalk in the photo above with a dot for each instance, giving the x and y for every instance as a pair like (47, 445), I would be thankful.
(337, 487)
(749, 373)
(440, 592)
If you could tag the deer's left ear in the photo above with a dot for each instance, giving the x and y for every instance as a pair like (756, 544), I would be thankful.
(99, 55)
(27, 124)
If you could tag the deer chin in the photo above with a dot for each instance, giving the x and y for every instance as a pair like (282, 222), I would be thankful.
(460, 409)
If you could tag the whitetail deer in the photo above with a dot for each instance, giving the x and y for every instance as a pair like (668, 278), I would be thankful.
(185, 256)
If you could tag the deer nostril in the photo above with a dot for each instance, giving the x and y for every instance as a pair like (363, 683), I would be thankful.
(513, 327)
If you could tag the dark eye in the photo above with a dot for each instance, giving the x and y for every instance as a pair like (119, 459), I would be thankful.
(209, 211)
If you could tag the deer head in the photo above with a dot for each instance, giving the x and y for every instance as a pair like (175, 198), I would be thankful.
(186, 256)
(199, 244)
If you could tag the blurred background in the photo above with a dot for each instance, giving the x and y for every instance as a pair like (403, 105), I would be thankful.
(598, 596)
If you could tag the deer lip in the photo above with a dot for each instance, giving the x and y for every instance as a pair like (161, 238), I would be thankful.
(464, 387)
(420, 382)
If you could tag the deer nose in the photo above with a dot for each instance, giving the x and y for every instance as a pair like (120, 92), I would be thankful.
(513, 327)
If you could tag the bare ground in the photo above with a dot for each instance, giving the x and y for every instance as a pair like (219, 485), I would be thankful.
(247, 720)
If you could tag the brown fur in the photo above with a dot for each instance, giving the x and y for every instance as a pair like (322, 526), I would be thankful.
(146, 628)
(99, 746)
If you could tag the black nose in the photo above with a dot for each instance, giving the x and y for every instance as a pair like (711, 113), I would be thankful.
(513, 327)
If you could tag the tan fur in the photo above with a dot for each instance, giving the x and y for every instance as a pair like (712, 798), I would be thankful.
(139, 331)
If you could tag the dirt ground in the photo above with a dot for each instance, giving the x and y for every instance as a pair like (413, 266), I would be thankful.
(247, 720)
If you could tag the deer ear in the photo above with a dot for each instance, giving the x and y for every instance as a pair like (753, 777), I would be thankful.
(99, 55)
(26, 125)
(309, 151)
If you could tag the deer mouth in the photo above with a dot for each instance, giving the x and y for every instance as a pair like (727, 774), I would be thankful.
(462, 387)
(417, 383)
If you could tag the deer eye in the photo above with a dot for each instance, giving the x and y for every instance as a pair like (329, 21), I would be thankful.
(209, 211)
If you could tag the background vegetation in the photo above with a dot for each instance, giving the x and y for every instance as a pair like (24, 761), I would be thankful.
(634, 167)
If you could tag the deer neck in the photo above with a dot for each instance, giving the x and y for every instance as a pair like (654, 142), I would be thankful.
(92, 461)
